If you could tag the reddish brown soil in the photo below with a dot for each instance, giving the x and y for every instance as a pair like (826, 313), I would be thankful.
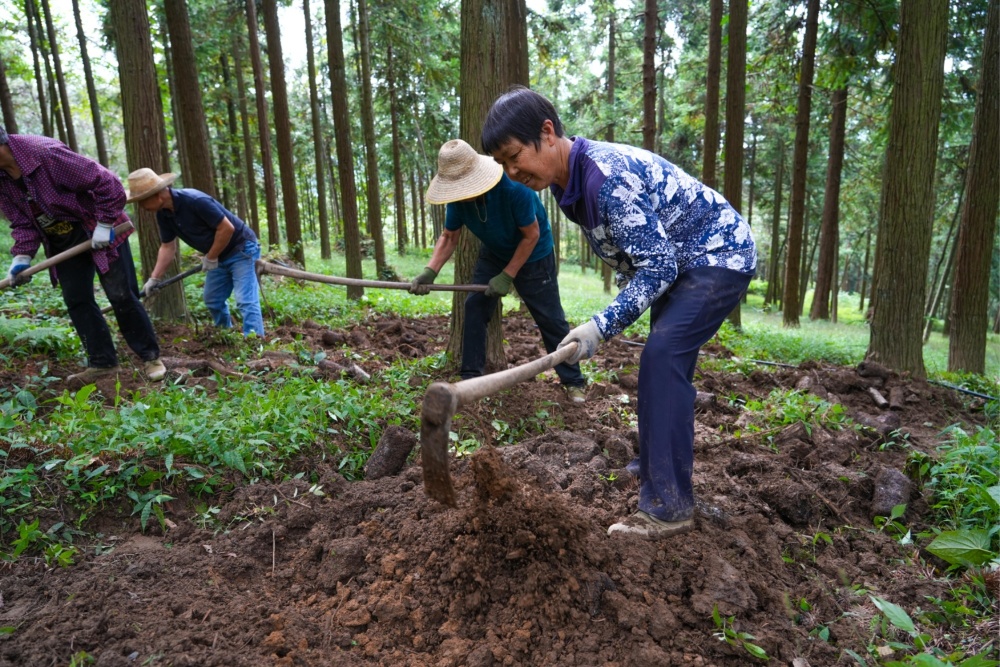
(523, 572)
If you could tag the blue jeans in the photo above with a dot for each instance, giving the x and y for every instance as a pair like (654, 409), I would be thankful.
(537, 286)
(76, 279)
(236, 275)
(681, 321)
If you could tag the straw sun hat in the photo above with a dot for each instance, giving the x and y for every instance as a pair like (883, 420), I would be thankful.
(462, 174)
(145, 182)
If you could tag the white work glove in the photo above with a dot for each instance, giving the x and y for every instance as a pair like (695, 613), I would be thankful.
(151, 286)
(588, 338)
(103, 236)
(18, 264)
(209, 264)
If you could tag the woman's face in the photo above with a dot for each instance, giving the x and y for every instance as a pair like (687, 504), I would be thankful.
(534, 166)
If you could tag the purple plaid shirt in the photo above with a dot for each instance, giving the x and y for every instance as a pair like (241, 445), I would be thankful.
(65, 185)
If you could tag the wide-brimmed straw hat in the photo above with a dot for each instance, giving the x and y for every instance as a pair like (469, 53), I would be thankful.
(462, 174)
(145, 182)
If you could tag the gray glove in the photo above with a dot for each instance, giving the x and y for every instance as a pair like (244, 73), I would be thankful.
(209, 264)
(587, 336)
(103, 236)
(422, 283)
(17, 265)
(151, 286)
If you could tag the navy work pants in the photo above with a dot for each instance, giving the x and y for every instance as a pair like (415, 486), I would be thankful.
(537, 286)
(681, 321)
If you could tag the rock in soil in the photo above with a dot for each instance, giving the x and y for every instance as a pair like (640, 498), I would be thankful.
(390, 455)
(891, 488)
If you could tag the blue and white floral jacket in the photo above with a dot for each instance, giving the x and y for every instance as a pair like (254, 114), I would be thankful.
(651, 222)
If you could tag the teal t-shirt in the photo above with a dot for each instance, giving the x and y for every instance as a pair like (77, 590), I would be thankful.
(496, 220)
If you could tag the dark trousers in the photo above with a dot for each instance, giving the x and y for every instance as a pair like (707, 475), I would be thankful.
(537, 286)
(76, 277)
(681, 321)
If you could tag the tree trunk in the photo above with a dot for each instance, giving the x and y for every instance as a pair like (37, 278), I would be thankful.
(283, 130)
(248, 162)
(175, 115)
(948, 245)
(318, 150)
(345, 152)
(263, 128)
(650, 19)
(33, 38)
(142, 113)
(7, 102)
(609, 135)
(800, 161)
(829, 227)
(904, 236)
(233, 139)
(189, 102)
(371, 145)
(398, 200)
(60, 79)
(772, 263)
(939, 291)
(494, 55)
(736, 76)
(864, 271)
(423, 208)
(95, 106)
(977, 231)
(55, 109)
(710, 149)
(413, 208)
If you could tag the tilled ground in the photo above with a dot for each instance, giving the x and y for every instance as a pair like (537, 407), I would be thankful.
(522, 572)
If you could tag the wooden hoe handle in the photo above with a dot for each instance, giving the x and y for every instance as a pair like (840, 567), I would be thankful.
(268, 267)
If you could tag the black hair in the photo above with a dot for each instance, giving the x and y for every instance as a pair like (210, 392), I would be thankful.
(518, 114)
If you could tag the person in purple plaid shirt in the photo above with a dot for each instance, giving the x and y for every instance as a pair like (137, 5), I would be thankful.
(57, 199)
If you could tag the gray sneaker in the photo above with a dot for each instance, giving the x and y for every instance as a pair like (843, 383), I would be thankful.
(576, 394)
(155, 370)
(92, 374)
(645, 525)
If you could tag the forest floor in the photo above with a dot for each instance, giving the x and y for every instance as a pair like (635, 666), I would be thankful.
(523, 572)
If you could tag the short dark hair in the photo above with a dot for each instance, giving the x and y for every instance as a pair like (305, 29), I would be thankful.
(518, 114)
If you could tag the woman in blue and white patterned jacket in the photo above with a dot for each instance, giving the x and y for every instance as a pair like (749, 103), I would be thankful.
(678, 248)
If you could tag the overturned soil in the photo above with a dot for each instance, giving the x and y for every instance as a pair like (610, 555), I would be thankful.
(522, 572)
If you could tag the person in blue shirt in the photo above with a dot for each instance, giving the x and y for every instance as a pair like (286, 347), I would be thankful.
(229, 247)
(679, 249)
(516, 251)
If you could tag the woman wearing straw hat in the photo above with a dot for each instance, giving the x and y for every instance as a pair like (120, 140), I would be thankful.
(516, 251)
(229, 247)
(56, 198)
(680, 251)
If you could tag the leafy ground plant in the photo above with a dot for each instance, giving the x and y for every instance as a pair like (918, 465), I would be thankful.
(729, 634)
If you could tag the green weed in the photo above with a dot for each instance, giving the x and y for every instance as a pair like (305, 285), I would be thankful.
(728, 633)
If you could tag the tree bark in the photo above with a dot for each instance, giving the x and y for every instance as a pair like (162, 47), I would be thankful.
(399, 202)
(142, 112)
(903, 246)
(345, 152)
(318, 150)
(829, 227)
(800, 161)
(939, 290)
(248, 162)
(175, 115)
(977, 231)
(494, 55)
(234, 139)
(187, 88)
(609, 135)
(283, 130)
(945, 250)
(650, 25)
(864, 271)
(55, 108)
(263, 128)
(374, 195)
(95, 106)
(710, 149)
(736, 76)
(33, 38)
(772, 263)
(60, 79)
(7, 102)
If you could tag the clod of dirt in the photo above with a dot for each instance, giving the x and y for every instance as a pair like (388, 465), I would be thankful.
(891, 488)
(390, 455)
(333, 338)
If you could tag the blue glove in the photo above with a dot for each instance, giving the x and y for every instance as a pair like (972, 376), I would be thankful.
(103, 236)
(587, 336)
(20, 263)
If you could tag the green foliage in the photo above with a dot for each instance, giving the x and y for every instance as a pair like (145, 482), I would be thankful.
(728, 633)
(782, 408)
(25, 336)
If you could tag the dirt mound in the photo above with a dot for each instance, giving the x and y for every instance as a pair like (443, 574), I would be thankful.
(523, 571)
